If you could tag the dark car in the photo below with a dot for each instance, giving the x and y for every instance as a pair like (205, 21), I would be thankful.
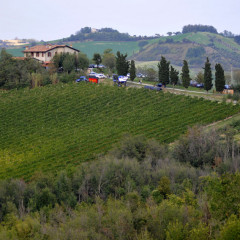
(159, 85)
(200, 85)
(82, 79)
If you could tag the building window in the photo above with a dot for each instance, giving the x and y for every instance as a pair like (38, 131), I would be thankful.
(42, 54)
(32, 54)
(49, 54)
(37, 54)
(55, 53)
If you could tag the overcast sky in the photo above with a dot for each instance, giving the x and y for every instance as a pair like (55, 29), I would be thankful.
(54, 19)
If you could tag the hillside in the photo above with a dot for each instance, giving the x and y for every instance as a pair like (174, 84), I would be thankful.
(194, 47)
(55, 127)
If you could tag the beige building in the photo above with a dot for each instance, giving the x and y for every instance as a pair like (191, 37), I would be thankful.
(45, 53)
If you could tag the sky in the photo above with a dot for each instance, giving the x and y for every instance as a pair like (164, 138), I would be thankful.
(55, 19)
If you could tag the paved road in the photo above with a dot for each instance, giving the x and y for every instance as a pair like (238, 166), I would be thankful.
(169, 88)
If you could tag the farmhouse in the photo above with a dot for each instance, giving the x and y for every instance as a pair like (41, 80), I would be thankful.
(45, 53)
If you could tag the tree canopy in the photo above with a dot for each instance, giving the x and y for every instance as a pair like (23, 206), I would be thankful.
(199, 28)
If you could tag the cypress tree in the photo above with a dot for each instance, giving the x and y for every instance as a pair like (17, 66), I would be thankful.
(219, 78)
(163, 71)
(132, 70)
(122, 65)
(173, 75)
(185, 74)
(207, 76)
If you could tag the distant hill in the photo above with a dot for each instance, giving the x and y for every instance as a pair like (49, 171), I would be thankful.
(194, 47)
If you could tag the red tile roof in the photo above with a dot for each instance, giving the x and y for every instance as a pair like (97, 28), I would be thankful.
(45, 48)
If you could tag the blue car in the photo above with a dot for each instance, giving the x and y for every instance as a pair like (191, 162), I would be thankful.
(82, 79)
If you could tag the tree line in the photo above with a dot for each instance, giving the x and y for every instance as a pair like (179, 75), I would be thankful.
(166, 75)
(65, 67)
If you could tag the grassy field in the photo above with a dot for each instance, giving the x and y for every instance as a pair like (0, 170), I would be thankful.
(90, 48)
(16, 52)
(59, 126)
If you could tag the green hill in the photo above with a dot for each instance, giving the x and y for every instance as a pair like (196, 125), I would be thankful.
(51, 128)
(194, 47)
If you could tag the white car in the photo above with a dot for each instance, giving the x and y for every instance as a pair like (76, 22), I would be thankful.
(100, 75)
(122, 79)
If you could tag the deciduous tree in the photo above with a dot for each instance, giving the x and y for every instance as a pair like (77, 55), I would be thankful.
(97, 58)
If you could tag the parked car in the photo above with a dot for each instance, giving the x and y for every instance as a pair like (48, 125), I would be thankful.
(140, 75)
(82, 79)
(193, 83)
(100, 75)
(227, 87)
(200, 85)
(159, 85)
(153, 88)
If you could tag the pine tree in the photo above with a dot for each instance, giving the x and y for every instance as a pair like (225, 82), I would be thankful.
(132, 70)
(219, 78)
(173, 75)
(185, 74)
(163, 71)
(207, 76)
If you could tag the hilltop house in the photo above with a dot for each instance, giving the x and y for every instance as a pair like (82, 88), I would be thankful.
(45, 53)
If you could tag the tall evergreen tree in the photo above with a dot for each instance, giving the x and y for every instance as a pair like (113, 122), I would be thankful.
(185, 74)
(207, 76)
(163, 71)
(122, 64)
(173, 75)
(132, 70)
(219, 78)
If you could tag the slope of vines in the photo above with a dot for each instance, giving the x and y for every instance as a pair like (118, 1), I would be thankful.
(51, 128)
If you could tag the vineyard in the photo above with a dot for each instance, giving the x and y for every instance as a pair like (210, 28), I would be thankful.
(59, 126)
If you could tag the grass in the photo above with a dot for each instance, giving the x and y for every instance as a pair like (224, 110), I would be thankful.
(59, 126)
(90, 48)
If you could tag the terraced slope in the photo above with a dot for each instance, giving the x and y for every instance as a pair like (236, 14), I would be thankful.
(60, 126)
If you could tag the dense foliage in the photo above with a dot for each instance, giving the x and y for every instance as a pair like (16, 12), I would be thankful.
(199, 28)
(135, 192)
(65, 124)
(15, 73)
(103, 34)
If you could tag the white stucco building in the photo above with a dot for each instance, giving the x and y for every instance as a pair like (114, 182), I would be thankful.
(45, 53)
